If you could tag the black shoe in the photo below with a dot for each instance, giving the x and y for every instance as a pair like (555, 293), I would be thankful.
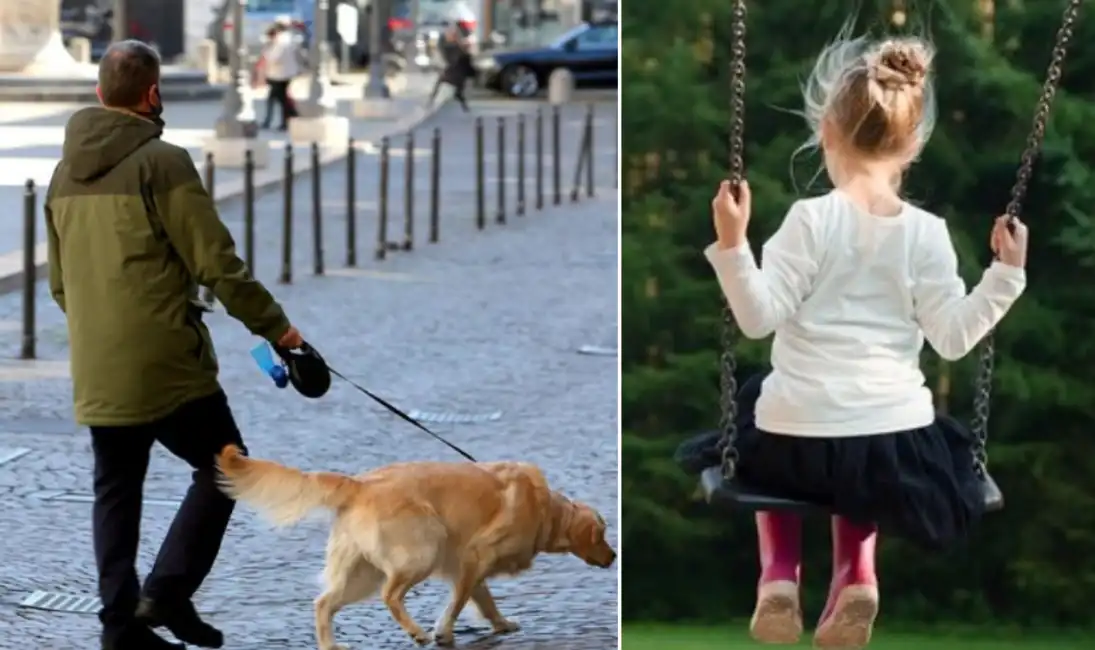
(182, 620)
(137, 637)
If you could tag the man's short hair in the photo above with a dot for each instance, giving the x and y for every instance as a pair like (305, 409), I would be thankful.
(126, 72)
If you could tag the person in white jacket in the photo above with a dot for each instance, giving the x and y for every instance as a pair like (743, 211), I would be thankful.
(282, 61)
(852, 284)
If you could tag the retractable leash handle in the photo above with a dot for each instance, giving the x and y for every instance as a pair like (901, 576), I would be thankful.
(306, 369)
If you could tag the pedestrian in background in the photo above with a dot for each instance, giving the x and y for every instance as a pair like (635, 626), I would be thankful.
(131, 232)
(282, 61)
(455, 52)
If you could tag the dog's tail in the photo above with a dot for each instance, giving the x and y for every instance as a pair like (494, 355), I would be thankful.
(284, 494)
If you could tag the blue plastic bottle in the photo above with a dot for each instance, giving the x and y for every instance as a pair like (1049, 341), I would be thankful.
(264, 356)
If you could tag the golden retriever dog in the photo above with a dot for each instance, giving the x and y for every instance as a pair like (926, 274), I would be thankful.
(399, 525)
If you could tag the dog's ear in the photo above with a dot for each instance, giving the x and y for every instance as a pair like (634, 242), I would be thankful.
(585, 530)
(596, 527)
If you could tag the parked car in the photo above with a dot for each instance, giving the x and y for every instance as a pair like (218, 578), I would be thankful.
(95, 22)
(435, 16)
(590, 51)
(359, 52)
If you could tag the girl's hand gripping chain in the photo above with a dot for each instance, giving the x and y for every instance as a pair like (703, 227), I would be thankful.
(1009, 244)
(731, 214)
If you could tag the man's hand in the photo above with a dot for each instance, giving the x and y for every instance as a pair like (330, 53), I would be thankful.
(291, 340)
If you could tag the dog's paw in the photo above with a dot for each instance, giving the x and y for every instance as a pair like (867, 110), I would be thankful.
(444, 638)
(421, 637)
(505, 626)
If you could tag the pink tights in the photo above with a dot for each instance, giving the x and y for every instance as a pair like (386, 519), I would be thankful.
(779, 537)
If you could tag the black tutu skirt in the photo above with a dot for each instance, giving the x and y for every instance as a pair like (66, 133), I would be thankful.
(919, 484)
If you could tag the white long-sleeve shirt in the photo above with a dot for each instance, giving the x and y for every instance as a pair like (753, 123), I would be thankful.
(851, 297)
(282, 58)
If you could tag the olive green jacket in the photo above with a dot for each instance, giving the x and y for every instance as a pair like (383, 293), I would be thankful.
(132, 233)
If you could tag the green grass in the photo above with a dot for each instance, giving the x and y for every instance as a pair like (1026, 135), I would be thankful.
(666, 637)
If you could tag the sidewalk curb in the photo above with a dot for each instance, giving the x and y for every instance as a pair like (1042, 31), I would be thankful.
(223, 192)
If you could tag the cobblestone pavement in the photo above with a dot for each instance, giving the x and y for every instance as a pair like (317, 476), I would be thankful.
(31, 136)
(481, 322)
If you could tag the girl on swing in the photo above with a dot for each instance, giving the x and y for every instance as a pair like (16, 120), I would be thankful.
(851, 284)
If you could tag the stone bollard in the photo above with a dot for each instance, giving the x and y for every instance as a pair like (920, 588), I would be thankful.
(207, 59)
(560, 87)
(80, 49)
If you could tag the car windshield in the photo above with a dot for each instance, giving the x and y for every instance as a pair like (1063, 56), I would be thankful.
(562, 39)
(436, 12)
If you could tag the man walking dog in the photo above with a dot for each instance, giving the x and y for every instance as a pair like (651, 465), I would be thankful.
(131, 234)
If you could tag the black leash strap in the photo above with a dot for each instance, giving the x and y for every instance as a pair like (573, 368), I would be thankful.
(396, 411)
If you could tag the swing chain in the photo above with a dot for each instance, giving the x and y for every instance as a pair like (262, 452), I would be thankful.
(987, 360)
(1041, 113)
(728, 385)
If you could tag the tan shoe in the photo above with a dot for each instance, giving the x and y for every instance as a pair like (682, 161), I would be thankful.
(778, 616)
(849, 625)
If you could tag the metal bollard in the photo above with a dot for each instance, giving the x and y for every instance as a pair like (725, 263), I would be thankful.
(480, 180)
(520, 164)
(556, 154)
(249, 210)
(30, 270)
(210, 177)
(408, 195)
(210, 172)
(317, 213)
(351, 203)
(286, 275)
(435, 188)
(382, 204)
(576, 186)
(589, 151)
(500, 217)
(539, 158)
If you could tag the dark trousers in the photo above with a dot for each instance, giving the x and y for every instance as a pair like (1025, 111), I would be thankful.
(195, 432)
(458, 89)
(279, 94)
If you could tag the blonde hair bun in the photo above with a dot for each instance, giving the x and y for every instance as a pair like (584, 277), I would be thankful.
(873, 98)
(899, 64)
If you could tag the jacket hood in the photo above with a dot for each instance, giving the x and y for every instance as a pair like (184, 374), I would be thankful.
(97, 139)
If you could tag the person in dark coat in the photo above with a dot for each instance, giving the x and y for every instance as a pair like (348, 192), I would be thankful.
(131, 234)
(458, 66)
